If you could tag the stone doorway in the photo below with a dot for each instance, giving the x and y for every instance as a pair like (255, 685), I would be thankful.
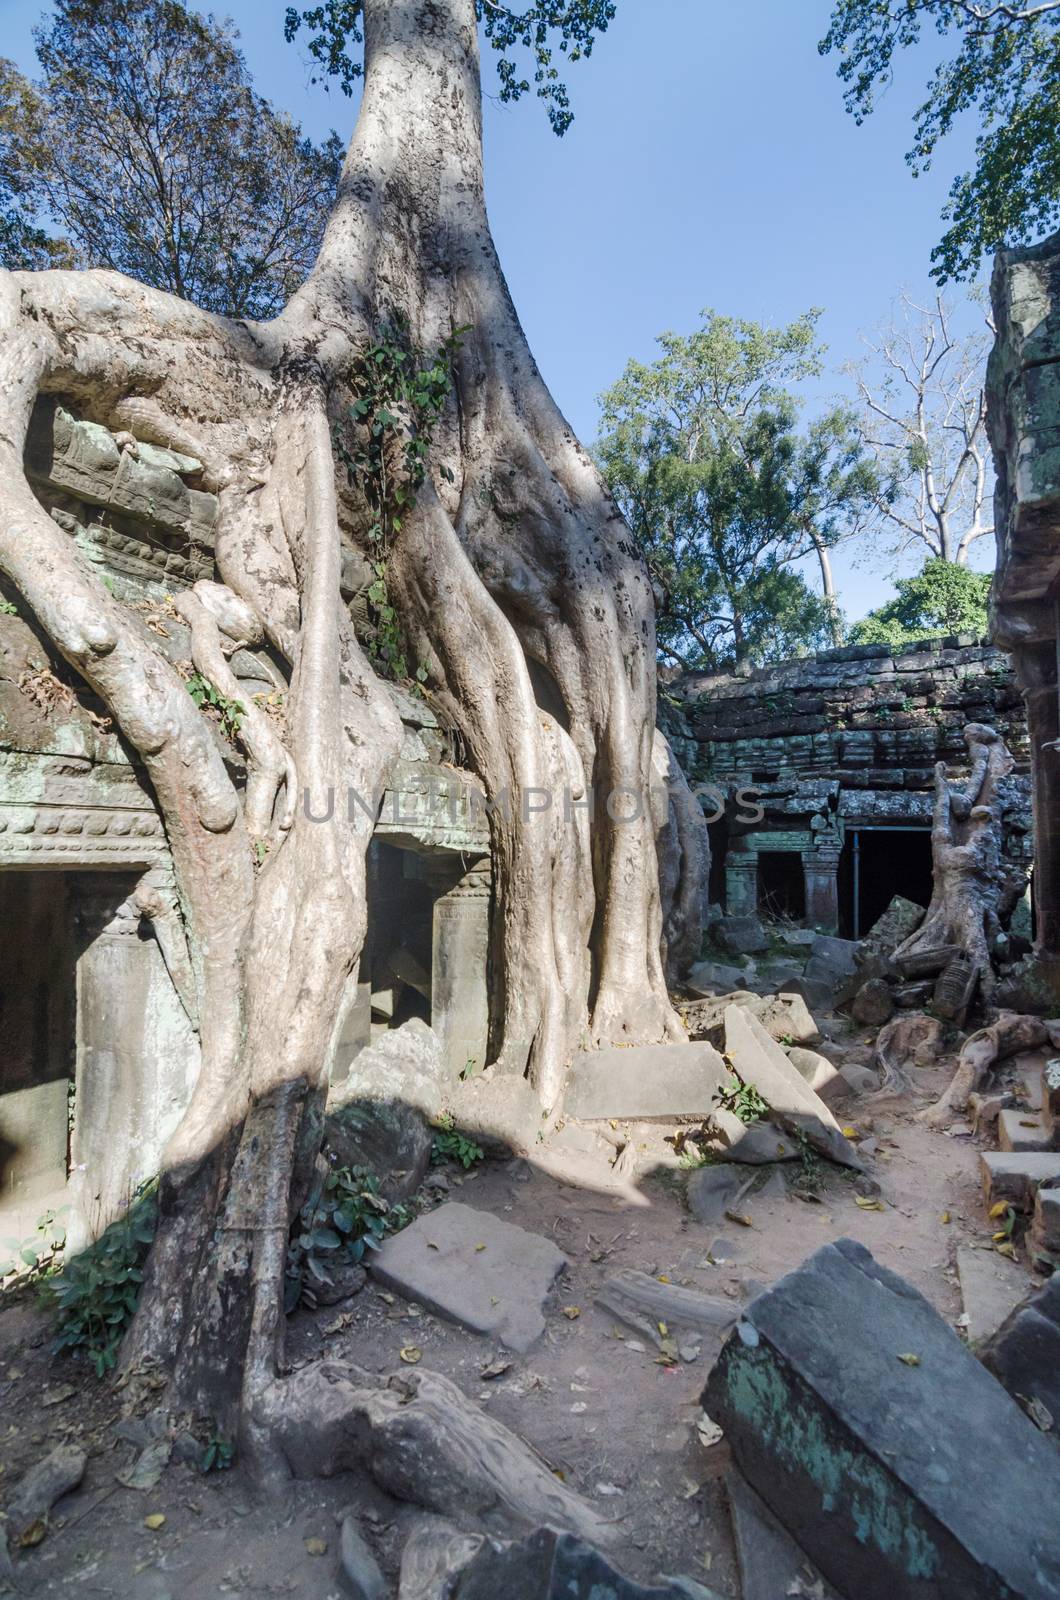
(877, 863)
(781, 884)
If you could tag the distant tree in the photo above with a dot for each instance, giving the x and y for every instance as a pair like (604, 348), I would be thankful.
(942, 599)
(23, 243)
(146, 145)
(923, 418)
(723, 491)
(1002, 60)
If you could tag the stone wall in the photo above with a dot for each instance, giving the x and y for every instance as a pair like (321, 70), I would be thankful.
(838, 750)
(92, 1019)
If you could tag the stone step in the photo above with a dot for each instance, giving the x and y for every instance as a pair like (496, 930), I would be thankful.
(642, 1083)
(1023, 1130)
(879, 1440)
(1044, 1239)
(1015, 1176)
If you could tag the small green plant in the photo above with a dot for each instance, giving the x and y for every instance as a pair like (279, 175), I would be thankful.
(29, 1260)
(345, 1218)
(7, 609)
(218, 1454)
(743, 1100)
(811, 1174)
(97, 1292)
(229, 712)
(452, 1145)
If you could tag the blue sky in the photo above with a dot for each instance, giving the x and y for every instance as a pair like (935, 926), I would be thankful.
(711, 163)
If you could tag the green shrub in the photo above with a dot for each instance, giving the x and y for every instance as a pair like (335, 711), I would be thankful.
(452, 1145)
(344, 1219)
(97, 1292)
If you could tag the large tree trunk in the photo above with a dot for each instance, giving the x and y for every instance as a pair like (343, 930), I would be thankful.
(518, 587)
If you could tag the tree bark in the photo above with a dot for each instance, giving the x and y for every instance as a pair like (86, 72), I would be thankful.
(518, 586)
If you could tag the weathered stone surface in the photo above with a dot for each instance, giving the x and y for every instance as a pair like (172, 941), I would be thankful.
(342, 1281)
(1015, 1177)
(711, 1190)
(901, 918)
(838, 954)
(359, 1573)
(501, 1113)
(642, 1303)
(645, 1082)
(59, 1472)
(380, 1115)
(991, 1288)
(474, 1269)
(785, 1017)
(816, 1069)
(761, 1062)
(1021, 1130)
(873, 1005)
(546, 1566)
(771, 1564)
(714, 977)
(740, 936)
(1024, 1353)
(750, 1143)
(900, 1477)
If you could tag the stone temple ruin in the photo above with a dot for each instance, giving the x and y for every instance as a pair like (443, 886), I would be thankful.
(824, 776)
(99, 1053)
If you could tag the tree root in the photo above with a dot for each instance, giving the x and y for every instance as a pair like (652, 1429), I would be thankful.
(1010, 1034)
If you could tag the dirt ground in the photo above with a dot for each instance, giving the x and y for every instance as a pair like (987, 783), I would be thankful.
(597, 1405)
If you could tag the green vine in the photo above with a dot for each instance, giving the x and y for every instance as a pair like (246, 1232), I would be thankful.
(206, 697)
(385, 448)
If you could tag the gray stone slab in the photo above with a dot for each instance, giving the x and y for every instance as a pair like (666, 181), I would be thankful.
(645, 1082)
(475, 1270)
(752, 1144)
(877, 1438)
(771, 1563)
(991, 1288)
(1015, 1175)
(1024, 1353)
(712, 1190)
(1021, 1130)
(714, 977)
(762, 1063)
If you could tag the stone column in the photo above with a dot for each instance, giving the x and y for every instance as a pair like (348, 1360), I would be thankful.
(459, 955)
(137, 1054)
(1036, 667)
(820, 870)
(741, 883)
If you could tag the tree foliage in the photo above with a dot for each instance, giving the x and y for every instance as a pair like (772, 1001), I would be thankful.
(24, 245)
(147, 146)
(724, 491)
(1002, 60)
(942, 599)
(922, 389)
(567, 26)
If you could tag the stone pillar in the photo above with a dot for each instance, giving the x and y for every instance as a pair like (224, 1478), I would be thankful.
(137, 1054)
(459, 955)
(741, 883)
(1036, 667)
(354, 1031)
(820, 870)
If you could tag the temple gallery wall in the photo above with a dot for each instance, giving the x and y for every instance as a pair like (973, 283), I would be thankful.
(100, 1046)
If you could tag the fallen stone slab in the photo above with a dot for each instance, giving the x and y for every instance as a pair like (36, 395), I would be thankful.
(642, 1303)
(771, 1564)
(1015, 1175)
(546, 1566)
(749, 1143)
(740, 936)
(816, 1069)
(645, 1083)
(1021, 1130)
(1045, 1228)
(991, 1288)
(1024, 1354)
(785, 1017)
(761, 1062)
(878, 1439)
(712, 1190)
(501, 1113)
(45, 1483)
(473, 1269)
(901, 918)
(380, 1115)
(714, 977)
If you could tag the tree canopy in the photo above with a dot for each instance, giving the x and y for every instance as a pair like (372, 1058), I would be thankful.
(146, 146)
(568, 27)
(1002, 60)
(724, 491)
(942, 599)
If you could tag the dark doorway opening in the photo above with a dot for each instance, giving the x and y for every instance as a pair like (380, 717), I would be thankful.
(718, 834)
(877, 864)
(781, 885)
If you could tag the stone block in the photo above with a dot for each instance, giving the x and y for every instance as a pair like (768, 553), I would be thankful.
(380, 1115)
(873, 1005)
(740, 936)
(816, 1069)
(901, 918)
(711, 1190)
(750, 1143)
(837, 954)
(761, 1062)
(645, 1082)
(1024, 1353)
(878, 1439)
(1011, 1176)
(34, 1129)
(771, 1563)
(1020, 1130)
(1045, 1228)
(714, 977)
(475, 1270)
